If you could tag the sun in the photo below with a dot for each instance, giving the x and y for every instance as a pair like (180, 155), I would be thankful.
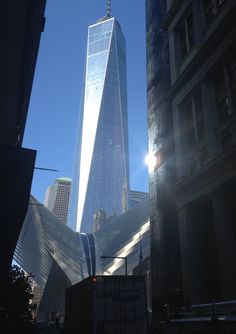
(150, 161)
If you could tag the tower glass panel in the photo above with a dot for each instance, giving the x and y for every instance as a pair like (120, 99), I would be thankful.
(104, 168)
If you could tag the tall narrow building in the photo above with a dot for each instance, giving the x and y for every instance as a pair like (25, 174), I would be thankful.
(57, 198)
(104, 169)
(191, 72)
(137, 197)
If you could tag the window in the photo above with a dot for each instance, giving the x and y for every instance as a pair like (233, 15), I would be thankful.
(220, 3)
(194, 121)
(194, 133)
(186, 34)
(189, 125)
(221, 95)
(224, 82)
(211, 9)
(200, 128)
(232, 78)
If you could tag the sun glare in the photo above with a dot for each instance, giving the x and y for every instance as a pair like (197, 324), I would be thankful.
(150, 161)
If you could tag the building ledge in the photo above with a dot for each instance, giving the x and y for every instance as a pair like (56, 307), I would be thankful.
(216, 172)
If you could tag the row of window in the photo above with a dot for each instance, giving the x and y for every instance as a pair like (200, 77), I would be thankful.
(222, 80)
(186, 29)
(211, 9)
(223, 83)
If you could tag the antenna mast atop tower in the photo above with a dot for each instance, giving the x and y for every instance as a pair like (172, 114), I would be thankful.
(108, 8)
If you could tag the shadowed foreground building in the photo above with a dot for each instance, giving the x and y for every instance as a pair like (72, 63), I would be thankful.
(191, 68)
(21, 25)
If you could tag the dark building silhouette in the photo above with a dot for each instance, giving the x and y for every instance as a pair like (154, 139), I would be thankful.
(20, 28)
(191, 71)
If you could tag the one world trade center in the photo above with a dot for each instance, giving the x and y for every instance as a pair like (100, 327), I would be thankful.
(101, 178)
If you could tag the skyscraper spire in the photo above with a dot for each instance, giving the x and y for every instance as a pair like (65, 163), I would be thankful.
(109, 8)
(103, 145)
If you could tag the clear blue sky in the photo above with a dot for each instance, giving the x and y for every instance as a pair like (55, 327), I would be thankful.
(56, 93)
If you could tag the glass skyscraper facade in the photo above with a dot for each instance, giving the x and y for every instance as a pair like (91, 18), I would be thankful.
(104, 169)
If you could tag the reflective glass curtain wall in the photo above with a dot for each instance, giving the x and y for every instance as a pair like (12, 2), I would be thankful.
(104, 169)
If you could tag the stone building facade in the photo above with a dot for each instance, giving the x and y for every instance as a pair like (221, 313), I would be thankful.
(191, 71)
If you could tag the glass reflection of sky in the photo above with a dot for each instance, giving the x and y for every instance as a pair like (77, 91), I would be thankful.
(99, 39)
(104, 169)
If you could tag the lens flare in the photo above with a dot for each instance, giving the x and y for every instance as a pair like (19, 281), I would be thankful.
(150, 161)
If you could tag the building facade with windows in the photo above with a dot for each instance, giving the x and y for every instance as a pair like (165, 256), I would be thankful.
(103, 175)
(191, 48)
(137, 196)
(57, 198)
